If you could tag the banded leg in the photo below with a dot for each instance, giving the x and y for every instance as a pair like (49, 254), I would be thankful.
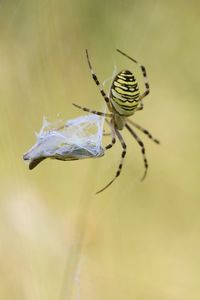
(93, 111)
(94, 76)
(146, 83)
(144, 131)
(141, 106)
(144, 73)
(142, 149)
(121, 162)
(113, 141)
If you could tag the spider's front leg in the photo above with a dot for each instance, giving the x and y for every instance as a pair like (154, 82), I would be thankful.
(96, 80)
(144, 74)
(99, 113)
(140, 143)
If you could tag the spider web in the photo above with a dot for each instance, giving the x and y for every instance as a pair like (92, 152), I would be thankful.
(77, 138)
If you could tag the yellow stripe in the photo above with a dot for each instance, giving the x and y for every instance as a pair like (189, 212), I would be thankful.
(128, 104)
(126, 82)
(122, 97)
(125, 87)
(116, 95)
(122, 92)
(121, 76)
(123, 73)
(120, 85)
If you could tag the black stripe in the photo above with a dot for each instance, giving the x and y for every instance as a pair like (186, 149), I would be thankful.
(126, 87)
(124, 95)
(129, 109)
(120, 85)
(126, 107)
(125, 78)
(131, 100)
(129, 106)
(127, 72)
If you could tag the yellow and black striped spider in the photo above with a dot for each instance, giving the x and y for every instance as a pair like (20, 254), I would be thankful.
(123, 101)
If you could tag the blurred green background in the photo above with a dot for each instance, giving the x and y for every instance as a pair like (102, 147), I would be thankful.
(135, 240)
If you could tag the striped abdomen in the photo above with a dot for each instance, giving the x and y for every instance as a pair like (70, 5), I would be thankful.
(124, 93)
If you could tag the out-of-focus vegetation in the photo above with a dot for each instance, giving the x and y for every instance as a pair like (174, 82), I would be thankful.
(136, 240)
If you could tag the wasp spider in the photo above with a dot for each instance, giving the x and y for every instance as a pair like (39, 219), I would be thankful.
(123, 101)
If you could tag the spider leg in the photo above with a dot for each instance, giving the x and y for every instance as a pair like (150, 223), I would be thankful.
(144, 73)
(121, 162)
(146, 83)
(141, 106)
(142, 149)
(113, 141)
(144, 131)
(94, 76)
(93, 111)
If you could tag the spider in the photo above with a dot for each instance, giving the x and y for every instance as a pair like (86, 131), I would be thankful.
(123, 100)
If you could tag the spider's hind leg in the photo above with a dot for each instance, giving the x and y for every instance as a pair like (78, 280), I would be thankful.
(145, 131)
(121, 162)
(142, 149)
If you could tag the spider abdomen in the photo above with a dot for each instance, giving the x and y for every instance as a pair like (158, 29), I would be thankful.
(124, 93)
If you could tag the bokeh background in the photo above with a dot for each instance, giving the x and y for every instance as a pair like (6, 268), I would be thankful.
(58, 240)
